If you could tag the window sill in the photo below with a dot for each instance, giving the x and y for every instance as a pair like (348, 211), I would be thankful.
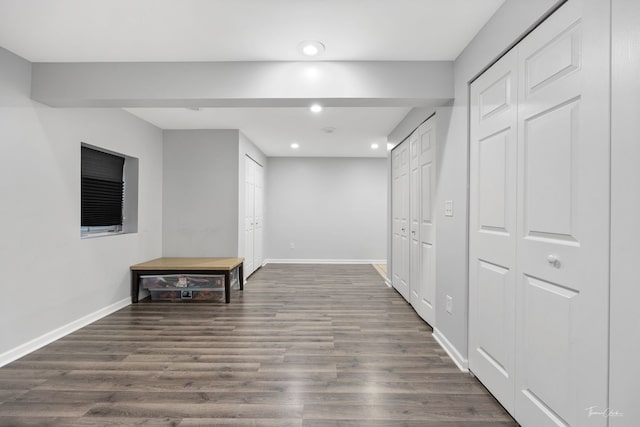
(106, 233)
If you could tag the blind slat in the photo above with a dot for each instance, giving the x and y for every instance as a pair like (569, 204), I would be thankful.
(100, 165)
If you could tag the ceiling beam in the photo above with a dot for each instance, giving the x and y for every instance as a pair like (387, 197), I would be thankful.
(243, 84)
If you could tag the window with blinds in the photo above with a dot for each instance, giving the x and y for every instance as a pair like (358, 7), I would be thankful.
(102, 192)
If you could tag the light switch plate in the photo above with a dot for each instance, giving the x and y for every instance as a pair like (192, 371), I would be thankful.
(448, 208)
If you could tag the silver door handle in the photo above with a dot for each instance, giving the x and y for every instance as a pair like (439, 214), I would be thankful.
(554, 260)
(413, 231)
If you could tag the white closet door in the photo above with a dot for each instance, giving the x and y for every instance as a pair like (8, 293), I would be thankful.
(492, 228)
(563, 218)
(400, 208)
(258, 251)
(249, 206)
(425, 232)
(395, 218)
(422, 164)
(414, 221)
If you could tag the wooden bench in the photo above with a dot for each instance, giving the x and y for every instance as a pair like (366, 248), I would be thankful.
(212, 266)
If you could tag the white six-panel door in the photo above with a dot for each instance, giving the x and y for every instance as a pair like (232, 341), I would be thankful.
(423, 185)
(253, 216)
(563, 218)
(396, 262)
(539, 221)
(414, 221)
(249, 206)
(492, 228)
(258, 238)
(401, 245)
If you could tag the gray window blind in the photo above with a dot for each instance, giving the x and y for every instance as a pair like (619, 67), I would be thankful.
(102, 190)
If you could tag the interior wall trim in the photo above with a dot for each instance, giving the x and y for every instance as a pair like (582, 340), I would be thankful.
(461, 362)
(49, 337)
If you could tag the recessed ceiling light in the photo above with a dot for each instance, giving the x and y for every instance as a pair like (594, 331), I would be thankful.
(295, 145)
(316, 108)
(374, 146)
(311, 48)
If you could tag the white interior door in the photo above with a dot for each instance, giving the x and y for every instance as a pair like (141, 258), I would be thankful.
(425, 231)
(400, 211)
(258, 249)
(563, 218)
(249, 225)
(492, 228)
(556, 265)
(414, 221)
(395, 218)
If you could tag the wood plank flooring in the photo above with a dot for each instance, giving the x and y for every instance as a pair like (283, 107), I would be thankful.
(303, 345)
(381, 269)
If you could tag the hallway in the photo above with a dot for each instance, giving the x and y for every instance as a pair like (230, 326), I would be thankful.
(303, 345)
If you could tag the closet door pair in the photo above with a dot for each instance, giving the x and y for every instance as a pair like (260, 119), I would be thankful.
(253, 216)
(413, 172)
(539, 221)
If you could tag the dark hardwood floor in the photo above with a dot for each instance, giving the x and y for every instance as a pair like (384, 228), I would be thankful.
(303, 345)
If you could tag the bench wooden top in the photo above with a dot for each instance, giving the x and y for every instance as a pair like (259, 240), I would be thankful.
(186, 264)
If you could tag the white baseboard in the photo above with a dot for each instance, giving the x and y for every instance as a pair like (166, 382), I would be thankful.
(388, 282)
(454, 354)
(325, 261)
(56, 334)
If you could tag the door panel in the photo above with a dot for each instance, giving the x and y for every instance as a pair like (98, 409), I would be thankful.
(426, 308)
(405, 243)
(494, 313)
(414, 163)
(258, 251)
(254, 216)
(426, 232)
(550, 150)
(563, 244)
(401, 246)
(493, 155)
(492, 227)
(558, 57)
(249, 190)
(395, 215)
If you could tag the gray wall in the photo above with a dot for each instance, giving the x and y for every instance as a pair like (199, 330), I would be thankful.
(330, 208)
(50, 276)
(624, 370)
(200, 194)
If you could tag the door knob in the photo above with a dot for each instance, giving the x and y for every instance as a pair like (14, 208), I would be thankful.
(413, 231)
(553, 260)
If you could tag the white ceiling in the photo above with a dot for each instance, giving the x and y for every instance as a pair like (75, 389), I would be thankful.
(239, 30)
(275, 129)
(250, 30)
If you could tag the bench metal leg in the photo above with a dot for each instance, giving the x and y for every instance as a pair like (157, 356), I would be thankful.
(227, 286)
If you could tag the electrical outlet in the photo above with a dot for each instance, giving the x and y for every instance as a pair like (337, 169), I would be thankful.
(449, 305)
(293, 245)
(448, 208)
